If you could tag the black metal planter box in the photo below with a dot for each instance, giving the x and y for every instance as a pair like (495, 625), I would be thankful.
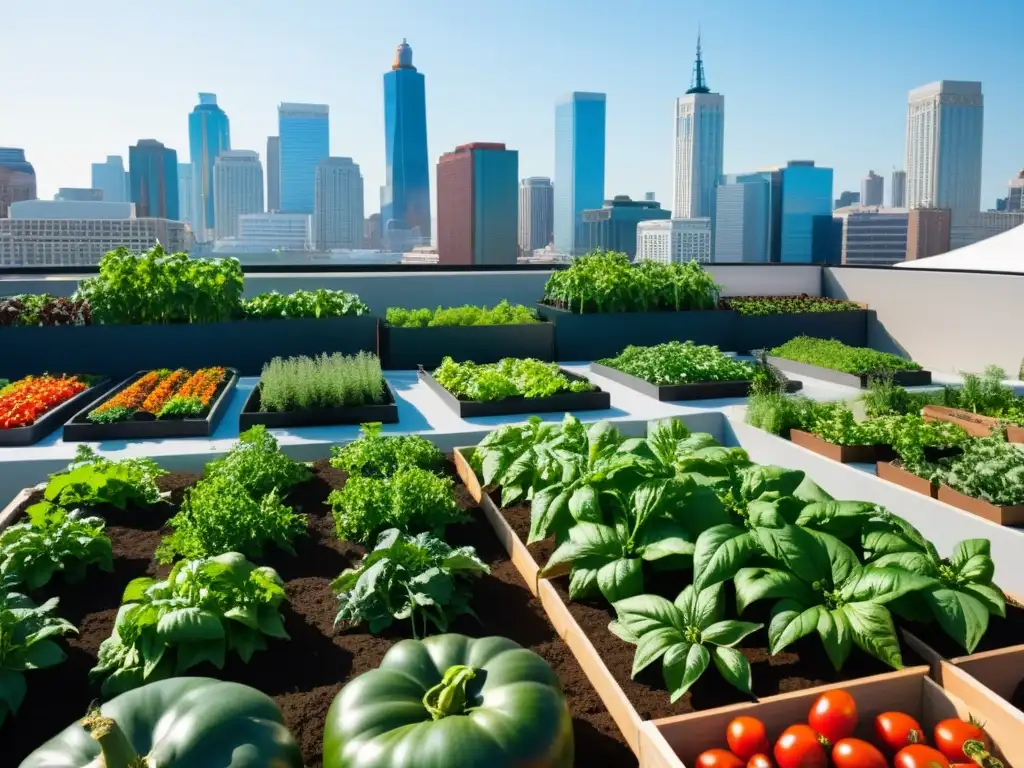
(599, 335)
(410, 348)
(859, 380)
(53, 418)
(767, 331)
(120, 350)
(597, 400)
(80, 429)
(696, 390)
(385, 412)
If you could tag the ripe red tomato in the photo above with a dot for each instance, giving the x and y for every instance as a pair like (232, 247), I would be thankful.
(919, 756)
(854, 753)
(798, 747)
(760, 761)
(895, 730)
(834, 715)
(747, 737)
(718, 758)
(951, 734)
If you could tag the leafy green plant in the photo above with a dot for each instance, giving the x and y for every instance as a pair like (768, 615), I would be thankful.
(259, 465)
(985, 394)
(411, 499)
(680, 363)
(326, 381)
(821, 586)
(916, 440)
(829, 353)
(989, 469)
(91, 480)
(687, 635)
(502, 313)
(310, 304)
(768, 379)
(378, 455)
(778, 413)
(26, 642)
(53, 541)
(886, 398)
(408, 577)
(787, 305)
(510, 377)
(29, 309)
(202, 611)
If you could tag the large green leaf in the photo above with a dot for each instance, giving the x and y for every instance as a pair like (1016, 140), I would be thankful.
(842, 519)
(664, 538)
(728, 633)
(620, 579)
(990, 596)
(644, 613)
(588, 545)
(879, 585)
(44, 654)
(800, 551)
(972, 559)
(753, 584)
(584, 505)
(961, 615)
(873, 632)
(652, 645)
(700, 608)
(189, 625)
(684, 667)
(549, 512)
(720, 552)
(733, 666)
(836, 635)
(12, 689)
(791, 621)
(759, 479)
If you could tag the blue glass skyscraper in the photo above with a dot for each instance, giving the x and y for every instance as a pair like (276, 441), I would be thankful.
(405, 200)
(304, 140)
(153, 172)
(209, 134)
(579, 163)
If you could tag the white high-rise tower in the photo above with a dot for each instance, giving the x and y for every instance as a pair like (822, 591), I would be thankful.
(536, 214)
(237, 189)
(700, 134)
(338, 204)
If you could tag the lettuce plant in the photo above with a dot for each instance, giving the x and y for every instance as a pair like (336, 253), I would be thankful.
(259, 465)
(510, 377)
(680, 363)
(53, 541)
(378, 455)
(91, 480)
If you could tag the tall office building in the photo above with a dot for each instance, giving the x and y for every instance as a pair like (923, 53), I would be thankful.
(846, 199)
(304, 132)
(78, 195)
(944, 139)
(872, 190)
(742, 209)
(536, 214)
(209, 134)
(338, 206)
(579, 163)
(186, 195)
(800, 194)
(700, 136)
(237, 189)
(1015, 199)
(17, 178)
(273, 173)
(111, 177)
(674, 241)
(477, 205)
(371, 232)
(153, 169)
(405, 199)
(928, 232)
(898, 189)
(613, 227)
(873, 236)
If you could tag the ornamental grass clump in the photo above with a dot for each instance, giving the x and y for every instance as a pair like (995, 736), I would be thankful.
(326, 381)
(680, 363)
(829, 353)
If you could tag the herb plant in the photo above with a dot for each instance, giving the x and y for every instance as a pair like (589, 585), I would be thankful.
(26, 642)
(259, 465)
(42, 309)
(202, 611)
(778, 413)
(989, 469)
(787, 305)
(326, 381)
(886, 398)
(687, 635)
(53, 541)
(510, 377)
(419, 578)
(680, 363)
(829, 353)
(91, 480)
(378, 455)
(502, 313)
(319, 303)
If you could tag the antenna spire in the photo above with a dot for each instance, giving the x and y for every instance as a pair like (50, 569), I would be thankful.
(698, 84)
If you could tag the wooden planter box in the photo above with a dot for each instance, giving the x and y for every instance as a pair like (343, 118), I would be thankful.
(669, 741)
(845, 454)
(1015, 434)
(982, 508)
(974, 424)
(54, 418)
(694, 390)
(385, 412)
(898, 475)
(595, 400)
(856, 380)
(645, 738)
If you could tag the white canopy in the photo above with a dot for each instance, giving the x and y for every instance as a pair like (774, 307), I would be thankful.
(1002, 253)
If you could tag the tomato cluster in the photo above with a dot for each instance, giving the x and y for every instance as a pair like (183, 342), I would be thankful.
(827, 739)
(25, 400)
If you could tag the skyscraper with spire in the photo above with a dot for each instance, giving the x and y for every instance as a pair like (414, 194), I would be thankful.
(209, 134)
(700, 134)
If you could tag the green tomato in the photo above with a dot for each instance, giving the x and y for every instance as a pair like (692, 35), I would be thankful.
(451, 701)
(185, 722)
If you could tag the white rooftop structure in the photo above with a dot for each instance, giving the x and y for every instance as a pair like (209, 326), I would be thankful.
(1002, 253)
(71, 209)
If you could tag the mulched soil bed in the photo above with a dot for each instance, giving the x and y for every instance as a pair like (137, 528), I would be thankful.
(304, 674)
(803, 665)
(1002, 633)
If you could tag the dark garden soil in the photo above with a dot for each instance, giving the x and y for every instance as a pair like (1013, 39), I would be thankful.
(803, 665)
(303, 675)
(1002, 633)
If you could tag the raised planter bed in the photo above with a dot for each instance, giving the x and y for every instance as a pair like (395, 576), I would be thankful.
(894, 473)
(305, 673)
(597, 400)
(80, 429)
(696, 390)
(768, 331)
(385, 412)
(119, 350)
(858, 380)
(845, 454)
(981, 508)
(410, 348)
(54, 418)
(1015, 434)
(607, 660)
(594, 336)
(974, 424)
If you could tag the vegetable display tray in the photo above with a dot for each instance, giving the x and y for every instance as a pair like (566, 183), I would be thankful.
(893, 473)
(53, 418)
(856, 380)
(385, 413)
(80, 429)
(991, 512)
(695, 390)
(973, 424)
(597, 400)
(412, 348)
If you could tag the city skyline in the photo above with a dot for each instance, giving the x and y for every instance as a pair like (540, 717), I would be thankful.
(821, 119)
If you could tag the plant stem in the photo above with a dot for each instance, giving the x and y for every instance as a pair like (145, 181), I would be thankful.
(115, 748)
(449, 696)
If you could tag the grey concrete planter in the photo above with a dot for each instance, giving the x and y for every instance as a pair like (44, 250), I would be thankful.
(597, 400)
(120, 350)
(694, 390)
(858, 380)
(385, 412)
(410, 348)
(767, 331)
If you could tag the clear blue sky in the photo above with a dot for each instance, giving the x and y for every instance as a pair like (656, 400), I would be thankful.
(825, 80)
